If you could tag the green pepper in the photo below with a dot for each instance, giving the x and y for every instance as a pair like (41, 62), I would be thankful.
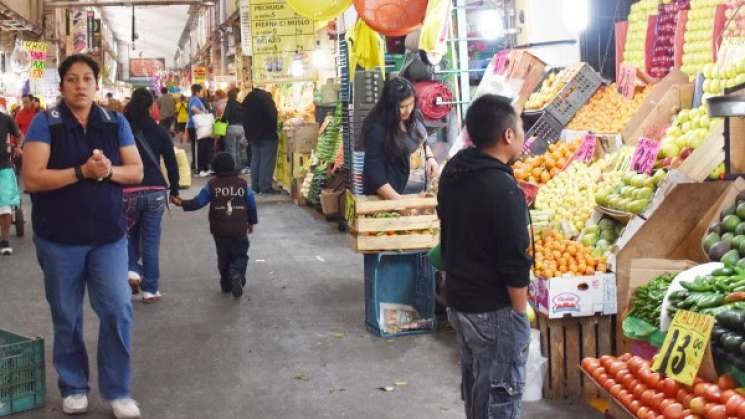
(737, 284)
(739, 289)
(684, 305)
(711, 300)
(679, 295)
(698, 285)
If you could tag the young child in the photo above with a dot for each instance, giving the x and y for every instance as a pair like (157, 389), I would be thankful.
(232, 216)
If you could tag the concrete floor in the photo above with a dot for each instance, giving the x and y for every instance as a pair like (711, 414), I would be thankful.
(294, 347)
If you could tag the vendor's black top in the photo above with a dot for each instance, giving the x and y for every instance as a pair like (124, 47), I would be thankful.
(382, 168)
(233, 114)
(160, 144)
(260, 116)
(7, 126)
(484, 235)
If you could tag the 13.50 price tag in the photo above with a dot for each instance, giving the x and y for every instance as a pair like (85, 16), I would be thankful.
(683, 351)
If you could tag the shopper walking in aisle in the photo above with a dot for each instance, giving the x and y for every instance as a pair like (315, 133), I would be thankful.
(9, 194)
(201, 150)
(234, 116)
(80, 234)
(145, 203)
(167, 106)
(112, 104)
(260, 126)
(232, 216)
(484, 247)
(391, 133)
(182, 117)
(26, 113)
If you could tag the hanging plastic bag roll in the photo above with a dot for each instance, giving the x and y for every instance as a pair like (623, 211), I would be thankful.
(535, 369)
(434, 32)
(427, 94)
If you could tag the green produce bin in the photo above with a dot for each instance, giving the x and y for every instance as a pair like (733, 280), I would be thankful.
(22, 379)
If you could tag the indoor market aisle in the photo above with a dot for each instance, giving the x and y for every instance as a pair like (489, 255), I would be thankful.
(294, 347)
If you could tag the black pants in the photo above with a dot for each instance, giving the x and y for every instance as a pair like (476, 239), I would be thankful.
(167, 123)
(193, 140)
(206, 148)
(232, 258)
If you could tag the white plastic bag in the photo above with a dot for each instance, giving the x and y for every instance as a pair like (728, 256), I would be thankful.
(535, 369)
(203, 123)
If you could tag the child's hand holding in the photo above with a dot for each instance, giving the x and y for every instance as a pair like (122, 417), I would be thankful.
(175, 200)
(251, 228)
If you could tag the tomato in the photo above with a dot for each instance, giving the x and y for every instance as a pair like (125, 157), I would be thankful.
(740, 411)
(697, 405)
(625, 357)
(615, 390)
(691, 417)
(603, 379)
(653, 380)
(673, 411)
(665, 403)
(597, 371)
(634, 406)
(700, 388)
(624, 377)
(682, 393)
(606, 360)
(713, 394)
(646, 398)
(638, 390)
(642, 412)
(715, 411)
(590, 364)
(616, 367)
(726, 382)
(609, 383)
(727, 394)
(656, 402)
(631, 384)
(733, 404)
(626, 399)
(670, 387)
(687, 400)
(634, 364)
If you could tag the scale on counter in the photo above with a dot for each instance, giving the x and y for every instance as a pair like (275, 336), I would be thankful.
(728, 107)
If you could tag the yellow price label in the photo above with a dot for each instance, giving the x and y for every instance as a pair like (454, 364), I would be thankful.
(683, 351)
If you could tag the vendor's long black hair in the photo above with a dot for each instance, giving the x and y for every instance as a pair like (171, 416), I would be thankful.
(387, 112)
(138, 108)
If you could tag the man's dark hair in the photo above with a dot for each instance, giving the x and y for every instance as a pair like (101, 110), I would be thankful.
(223, 163)
(29, 96)
(163, 90)
(195, 88)
(488, 118)
(78, 58)
(35, 99)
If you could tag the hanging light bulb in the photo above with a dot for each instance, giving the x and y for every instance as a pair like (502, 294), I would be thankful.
(319, 56)
(296, 67)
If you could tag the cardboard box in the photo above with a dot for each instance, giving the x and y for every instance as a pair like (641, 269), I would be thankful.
(666, 99)
(330, 202)
(672, 231)
(575, 296)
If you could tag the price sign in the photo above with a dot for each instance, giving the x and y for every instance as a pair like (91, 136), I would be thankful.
(528, 143)
(685, 344)
(626, 81)
(645, 155)
(586, 150)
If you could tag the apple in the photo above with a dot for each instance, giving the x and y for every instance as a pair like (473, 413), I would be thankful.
(684, 153)
(670, 150)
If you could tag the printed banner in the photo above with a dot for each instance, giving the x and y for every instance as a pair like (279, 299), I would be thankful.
(146, 67)
(246, 42)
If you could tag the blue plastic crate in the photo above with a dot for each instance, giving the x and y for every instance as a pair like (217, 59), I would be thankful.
(22, 380)
(399, 278)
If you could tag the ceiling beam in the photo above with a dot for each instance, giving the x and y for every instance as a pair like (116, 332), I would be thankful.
(113, 3)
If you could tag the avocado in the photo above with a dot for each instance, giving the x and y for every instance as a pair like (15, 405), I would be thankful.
(740, 196)
(742, 348)
(723, 272)
(732, 341)
(715, 227)
(740, 264)
(730, 223)
(742, 249)
(730, 210)
(740, 229)
(727, 237)
(718, 250)
(717, 332)
(730, 258)
(740, 211)
(710, 240)
(737, 241)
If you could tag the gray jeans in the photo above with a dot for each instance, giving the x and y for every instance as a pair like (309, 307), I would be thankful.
(263, 160)
(493, 350)
(233, 138)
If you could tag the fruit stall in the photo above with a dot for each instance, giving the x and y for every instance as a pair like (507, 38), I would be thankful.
(638, 226)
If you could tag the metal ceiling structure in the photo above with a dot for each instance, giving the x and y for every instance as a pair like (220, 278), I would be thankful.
(127, 3)
(13, 22)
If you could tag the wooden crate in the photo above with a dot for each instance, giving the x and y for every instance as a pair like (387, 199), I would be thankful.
(397, 242)
(413, 222)
(369, 204)
(565, 342)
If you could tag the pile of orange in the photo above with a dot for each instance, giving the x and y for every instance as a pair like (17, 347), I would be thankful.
(608, 111)
(557, 256)
(540, 169)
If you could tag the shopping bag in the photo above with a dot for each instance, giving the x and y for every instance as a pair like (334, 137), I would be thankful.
(220, 128)
(203, 123)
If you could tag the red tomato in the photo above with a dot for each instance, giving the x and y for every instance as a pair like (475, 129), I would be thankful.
(616, 367)
(625, 357)
(691, 417)
(673, 411)
(634, 364)
(665, 403)
(670, 387)
(715, 411)
(727, 394)
(687, 400)
(740, 411)
(726, 382)
(682, 393)
(635, 406)
(638, 390)
(733, 404)
(626, 399)
(646, 398)
(656, 402)
(642, 412)
(713, 394)
(697, 405)
(602, 378)
(653, 380)
(615, 390)
(624, 377)
(700, 388)
(609, 383)
(606, 360)
(590, 364)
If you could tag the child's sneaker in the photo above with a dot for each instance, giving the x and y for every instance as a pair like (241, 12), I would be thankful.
(237, 286)
(75, 404)
(226, 286)
(125, 409)
(149, 297)
(134, 282)
(5, 248)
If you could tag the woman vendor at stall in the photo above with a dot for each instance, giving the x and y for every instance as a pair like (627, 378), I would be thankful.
(391, 133)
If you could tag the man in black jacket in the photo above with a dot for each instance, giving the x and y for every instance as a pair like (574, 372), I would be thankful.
(260, 126)
(484, 245)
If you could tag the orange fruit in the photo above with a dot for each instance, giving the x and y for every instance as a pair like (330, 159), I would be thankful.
(589, 270)
(545, 177)
(554, 171)
(571, 249)
(602, 267)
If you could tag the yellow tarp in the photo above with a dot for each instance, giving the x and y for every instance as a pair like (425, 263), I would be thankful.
(366, 48)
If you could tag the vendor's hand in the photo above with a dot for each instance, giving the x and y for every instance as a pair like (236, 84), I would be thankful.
(97, 166)
(175, 200)
(251, 228)
(433, 168)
